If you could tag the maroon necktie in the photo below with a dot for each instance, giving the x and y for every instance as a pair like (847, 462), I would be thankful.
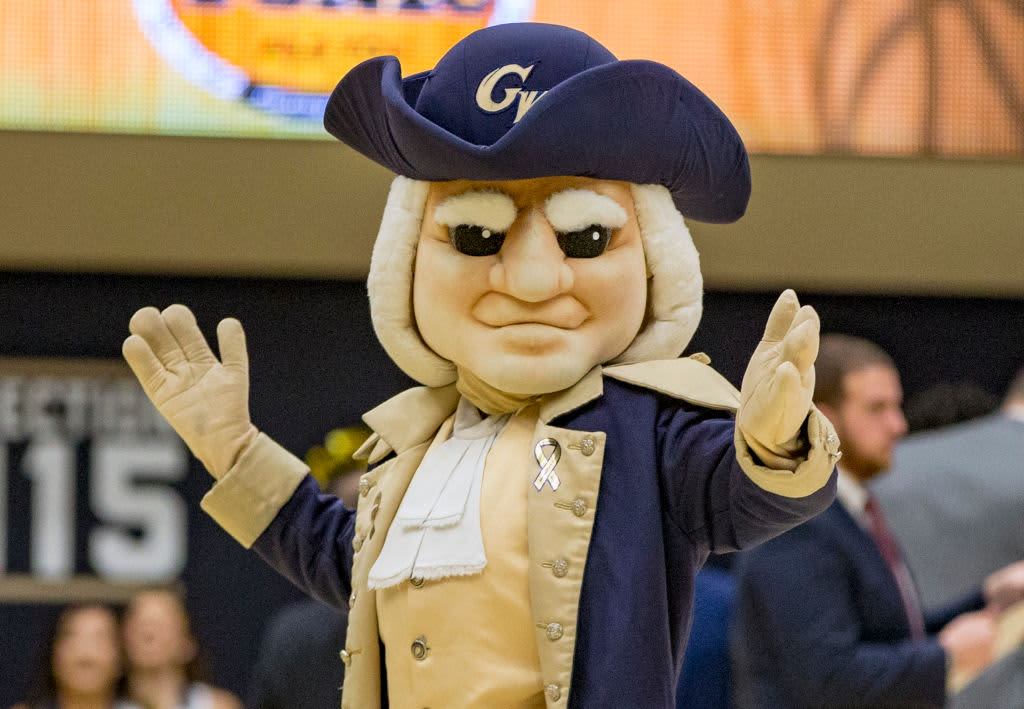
(891, 553)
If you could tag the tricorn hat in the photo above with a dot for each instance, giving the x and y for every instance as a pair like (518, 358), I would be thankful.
(528, 100)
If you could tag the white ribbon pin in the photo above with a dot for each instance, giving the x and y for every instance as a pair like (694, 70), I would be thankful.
(547, 462)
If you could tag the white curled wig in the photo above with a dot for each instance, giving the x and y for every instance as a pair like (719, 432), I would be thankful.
(674, 287)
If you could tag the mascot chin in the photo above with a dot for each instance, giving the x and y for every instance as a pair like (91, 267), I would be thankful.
(533, 516)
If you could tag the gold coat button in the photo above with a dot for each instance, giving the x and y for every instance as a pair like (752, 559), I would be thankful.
(419, 648)
(559, 567)
(346, 657)
(587, 445)
(352, 600)
(553, 631)
(416, 581)
(357, 543)
(364, 486)
(579, 507)
(553, 691)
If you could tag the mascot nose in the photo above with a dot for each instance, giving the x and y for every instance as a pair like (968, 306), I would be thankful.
(531, 265)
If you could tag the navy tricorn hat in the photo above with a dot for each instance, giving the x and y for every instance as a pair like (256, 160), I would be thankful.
(527, 100)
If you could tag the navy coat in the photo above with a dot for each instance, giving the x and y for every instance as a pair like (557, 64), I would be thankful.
(671, 490)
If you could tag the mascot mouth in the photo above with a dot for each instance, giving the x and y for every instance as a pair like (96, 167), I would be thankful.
(497, 310)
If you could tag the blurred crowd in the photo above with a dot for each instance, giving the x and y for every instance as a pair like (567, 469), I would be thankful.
(147, 659)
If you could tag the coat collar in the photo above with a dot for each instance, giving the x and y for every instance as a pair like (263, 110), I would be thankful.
(412, 417)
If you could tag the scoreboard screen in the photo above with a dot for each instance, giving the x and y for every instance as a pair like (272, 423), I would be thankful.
(874, 77)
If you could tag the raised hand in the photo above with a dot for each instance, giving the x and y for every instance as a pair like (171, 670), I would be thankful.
(777, 388)
(206, 400)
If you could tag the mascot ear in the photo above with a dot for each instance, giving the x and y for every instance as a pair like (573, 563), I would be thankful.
(390, 285)
(675, 288)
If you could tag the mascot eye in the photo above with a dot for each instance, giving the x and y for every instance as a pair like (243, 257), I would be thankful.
(475, 240)
(585, 243)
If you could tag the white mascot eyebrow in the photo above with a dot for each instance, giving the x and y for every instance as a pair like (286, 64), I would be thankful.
(572, 210)
(494, 210)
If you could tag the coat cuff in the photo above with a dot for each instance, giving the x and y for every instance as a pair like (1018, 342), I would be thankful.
(248, 497)
(801, 476)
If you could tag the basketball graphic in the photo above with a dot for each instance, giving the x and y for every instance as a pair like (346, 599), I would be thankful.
(932, 78)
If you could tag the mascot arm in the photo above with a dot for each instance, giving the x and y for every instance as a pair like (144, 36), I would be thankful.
(263, 492)
(718, 495)
(269, 502)
(716, 488)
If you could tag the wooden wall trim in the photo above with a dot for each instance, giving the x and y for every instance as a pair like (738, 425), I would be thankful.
(204, 206)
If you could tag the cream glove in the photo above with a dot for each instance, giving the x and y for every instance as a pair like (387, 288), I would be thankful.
(205, 400)
(777, 388)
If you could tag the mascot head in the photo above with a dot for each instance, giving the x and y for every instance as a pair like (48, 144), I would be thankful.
(536, 227)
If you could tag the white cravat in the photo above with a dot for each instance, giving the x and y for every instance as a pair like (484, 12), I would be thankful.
(436, 531)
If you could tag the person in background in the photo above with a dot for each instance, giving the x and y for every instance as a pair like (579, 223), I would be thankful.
(81, 667)
(827, 614)
(164, 670)
(298, 663)
(706, 679)
(945, 404)
(955, 497)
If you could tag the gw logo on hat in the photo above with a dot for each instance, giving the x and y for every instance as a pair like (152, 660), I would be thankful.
(485, 91)
(633, 120)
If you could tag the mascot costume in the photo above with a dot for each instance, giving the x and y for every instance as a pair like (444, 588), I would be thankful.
(533, 516)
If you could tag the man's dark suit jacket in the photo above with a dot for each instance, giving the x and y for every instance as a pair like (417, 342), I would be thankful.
(820, 623)
(298, 665)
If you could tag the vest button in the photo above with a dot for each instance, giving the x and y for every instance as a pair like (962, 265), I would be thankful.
(554, 692)
(560, 567)
(419, 648)
(587, 445)
(416, 581)
(553, 631)
(579, 507)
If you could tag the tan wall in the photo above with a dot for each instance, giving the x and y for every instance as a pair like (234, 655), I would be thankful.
(310, 209)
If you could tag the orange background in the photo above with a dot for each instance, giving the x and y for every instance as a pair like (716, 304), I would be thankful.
(793, 77)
